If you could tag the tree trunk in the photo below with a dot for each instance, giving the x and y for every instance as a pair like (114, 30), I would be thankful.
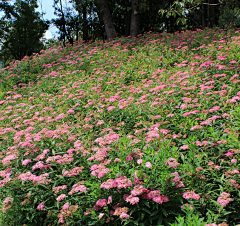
(107, 18)
(85, 30)
(135, 19)
(127, 23)
(63, 23)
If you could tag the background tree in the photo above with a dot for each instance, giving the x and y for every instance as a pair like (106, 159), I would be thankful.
(90, 23)
(65, 21)
(22, 30)
(107, 18)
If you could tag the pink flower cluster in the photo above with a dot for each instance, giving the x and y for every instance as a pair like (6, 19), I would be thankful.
(40, 206)
(57, 189)
(120, 182)
(100, 204)
(176, 180)
(190, 195)
(42, 155)
(42, 179)
(6, 205)
(204, 143)
(208, 121)
(155, 196)
(224, 199)
(61, 197)
(184, 147)
(7, 160)
(26, 161)
(98, 156)
(40, 165)
(172, 162)
(196, 127)
(66, 211)
(121, 212)
(79, 187)
(7, 200)
(130, 198)
(100, 170)
(108, 139)
(74, 172)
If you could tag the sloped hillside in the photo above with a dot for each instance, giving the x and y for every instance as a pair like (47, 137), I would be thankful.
(128, 132)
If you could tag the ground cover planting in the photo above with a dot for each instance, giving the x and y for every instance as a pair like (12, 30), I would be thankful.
(138, 131)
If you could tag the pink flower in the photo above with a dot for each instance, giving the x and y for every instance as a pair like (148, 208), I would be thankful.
(160, 199)
(61, 197)
(224, 199)
(40, 206)
(124, 215)
(77, 188)
(212, 224)
(176, 178)
(187, 204)
(148, 165)
(129, 158)
(26, 161)
(56, 189)
(170, 115)
(123, 182)
(139, 161)
(233, 161)
(70, 111)
(164, 131)
(183, 106)
(226, 115)
(117, 160)
(190, 195)
(7, 200)
(100, 215)
(132, 199)
(137, 190)
(184, 147)
(196, 127)
(136, 179)
(235, 171)
(101, 202)
(156, 197)
(172, 162)
(103, 172)
(109, 200)
(110, 183)
(110, 108)
(65, 206)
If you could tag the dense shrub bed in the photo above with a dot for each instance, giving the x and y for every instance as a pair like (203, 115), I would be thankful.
(128, 132)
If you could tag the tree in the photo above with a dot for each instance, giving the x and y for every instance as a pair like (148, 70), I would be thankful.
(61, 22)
(107, 18)
(135, 19)
(23, 29)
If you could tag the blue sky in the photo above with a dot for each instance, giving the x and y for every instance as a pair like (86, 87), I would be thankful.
(46, 6)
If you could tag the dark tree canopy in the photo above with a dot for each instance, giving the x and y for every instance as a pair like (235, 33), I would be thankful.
(23, 29)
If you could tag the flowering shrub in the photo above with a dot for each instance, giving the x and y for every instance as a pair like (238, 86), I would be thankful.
(128, 132)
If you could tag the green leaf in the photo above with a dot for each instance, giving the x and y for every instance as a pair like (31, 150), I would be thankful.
(154, 213)
(164, 212)
(146, 210)
(146, 203)
(160, 219)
